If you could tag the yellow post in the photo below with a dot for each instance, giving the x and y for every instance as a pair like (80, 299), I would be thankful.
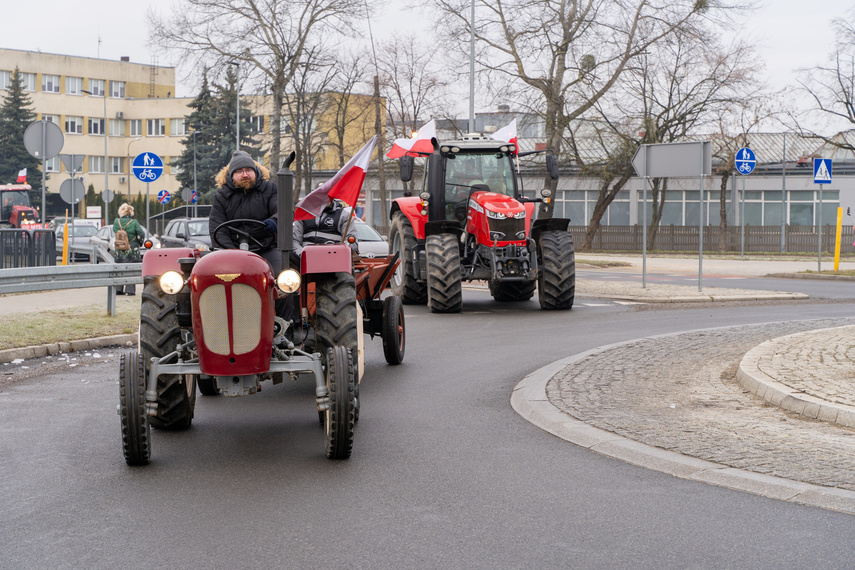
(65, 240)
(839, 233)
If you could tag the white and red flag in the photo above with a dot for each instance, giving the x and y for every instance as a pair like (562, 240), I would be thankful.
(345, 185)
(419, 143)
(22, 176)
(509, 135)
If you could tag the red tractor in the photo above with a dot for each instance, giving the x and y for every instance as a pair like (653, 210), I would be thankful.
(471, 222)
(16, 209)
(208, 321)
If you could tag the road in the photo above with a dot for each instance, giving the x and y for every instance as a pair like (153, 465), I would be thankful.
(444, 473)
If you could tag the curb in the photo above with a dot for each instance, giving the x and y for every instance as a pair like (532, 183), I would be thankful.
(764, 386)
(529, 400)
(39, 351)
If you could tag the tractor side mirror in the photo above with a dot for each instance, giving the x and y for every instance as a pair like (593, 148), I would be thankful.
(407, 168)
(552, 166)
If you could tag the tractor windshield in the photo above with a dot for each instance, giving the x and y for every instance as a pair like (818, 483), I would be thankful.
(13, 198)
(463, 171)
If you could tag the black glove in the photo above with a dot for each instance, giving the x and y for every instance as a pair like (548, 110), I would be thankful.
(270, 225)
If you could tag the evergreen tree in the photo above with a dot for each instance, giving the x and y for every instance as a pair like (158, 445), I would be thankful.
(16, 115)
(213, 119)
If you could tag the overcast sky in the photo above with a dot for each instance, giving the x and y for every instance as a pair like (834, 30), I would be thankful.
(789, 34)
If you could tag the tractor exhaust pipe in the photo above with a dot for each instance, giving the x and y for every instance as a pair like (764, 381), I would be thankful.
(285, 209)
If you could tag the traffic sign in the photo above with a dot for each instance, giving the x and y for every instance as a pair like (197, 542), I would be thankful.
(190, 196)
(163, 197)
(72, 190)
(822, 171)
(147, 167)
(673, 159)
(745, 160)
(43, 139)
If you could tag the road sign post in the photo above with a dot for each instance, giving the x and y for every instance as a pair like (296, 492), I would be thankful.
(821, 175)
(147, 167)
(745, 160)
(43, 140)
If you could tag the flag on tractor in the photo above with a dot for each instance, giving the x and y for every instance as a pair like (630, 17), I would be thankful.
(345, 185)
(419, 143)
(509, 135)
(22, 176)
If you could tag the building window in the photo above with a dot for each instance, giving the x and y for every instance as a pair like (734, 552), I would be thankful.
(178, 127)
(74, 125)
(156, 127)
(52, 164)
(5, 79)
(74, 85)
(117, 128)
(96, 165)
(136, 127)
(50, 83)
(96, 87)
(174, 167)
(28, 80)
(51, 118)
(96, 126)
(117, 89)
(257, 123)
(117, 165)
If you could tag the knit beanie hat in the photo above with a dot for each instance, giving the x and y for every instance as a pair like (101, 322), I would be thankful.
(240, 159)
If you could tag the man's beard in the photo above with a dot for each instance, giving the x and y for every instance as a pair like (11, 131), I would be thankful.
(245, 183)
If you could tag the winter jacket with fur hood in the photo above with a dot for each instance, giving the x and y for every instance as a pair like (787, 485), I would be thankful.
(230, 203)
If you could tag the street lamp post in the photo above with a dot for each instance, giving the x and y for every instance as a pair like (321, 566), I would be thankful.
(106, 159)
(237, 97)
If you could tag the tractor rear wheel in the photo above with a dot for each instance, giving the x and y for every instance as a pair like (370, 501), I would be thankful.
(136, 433)
(556, 282)
(445, 294)
(339, 418)
(402, 240)
(392, 331)
(159, 336)
(511, 291)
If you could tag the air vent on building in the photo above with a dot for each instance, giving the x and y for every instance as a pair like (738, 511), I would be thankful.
(120, 115)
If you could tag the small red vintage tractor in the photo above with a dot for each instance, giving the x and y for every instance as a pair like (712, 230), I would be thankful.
(471, 222)
(208, 321)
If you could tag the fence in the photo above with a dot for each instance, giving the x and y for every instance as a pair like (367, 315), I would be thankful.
(27, 248)
(758, 239)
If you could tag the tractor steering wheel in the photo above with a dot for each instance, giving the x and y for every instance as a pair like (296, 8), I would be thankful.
(254, 244)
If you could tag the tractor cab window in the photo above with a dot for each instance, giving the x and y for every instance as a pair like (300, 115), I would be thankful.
(13, 198)
(463, 172)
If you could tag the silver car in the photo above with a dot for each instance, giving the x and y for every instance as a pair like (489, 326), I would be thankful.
(369, 242)
(106, 238)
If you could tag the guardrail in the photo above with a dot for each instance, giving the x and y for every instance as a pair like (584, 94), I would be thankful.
(110, 275)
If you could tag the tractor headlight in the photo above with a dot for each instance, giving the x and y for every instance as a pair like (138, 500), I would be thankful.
(171, 282)
(288, 281)
(201, 246)
(494, 215)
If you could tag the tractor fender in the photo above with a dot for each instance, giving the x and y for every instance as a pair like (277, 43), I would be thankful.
(549, 225)
(443, 227)
(411, 207)
(159, 261)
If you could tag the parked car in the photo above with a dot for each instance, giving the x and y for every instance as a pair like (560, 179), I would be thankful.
(106, 238)
(187, 232)
(369, 242)
(78, 234)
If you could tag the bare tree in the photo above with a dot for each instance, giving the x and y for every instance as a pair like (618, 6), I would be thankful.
(569, 53)
(349, 110)
(268, 38)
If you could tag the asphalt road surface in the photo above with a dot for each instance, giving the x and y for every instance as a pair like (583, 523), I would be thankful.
(444, 473)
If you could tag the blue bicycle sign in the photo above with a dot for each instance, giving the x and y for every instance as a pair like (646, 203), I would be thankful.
(147, 167)
(745, 160)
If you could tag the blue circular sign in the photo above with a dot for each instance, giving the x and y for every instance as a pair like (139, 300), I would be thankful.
(163, 197)
(745, 160)
(195, 197)
(147, 167)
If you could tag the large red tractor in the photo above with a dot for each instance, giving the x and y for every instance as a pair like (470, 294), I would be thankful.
(470, 221)
(208, 321)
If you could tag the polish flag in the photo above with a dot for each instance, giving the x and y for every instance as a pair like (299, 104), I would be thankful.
(509, 135)
(22, 176)
(419, 143)
(345, 185)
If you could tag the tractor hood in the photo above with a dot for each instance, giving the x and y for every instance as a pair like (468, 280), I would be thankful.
(505, 206)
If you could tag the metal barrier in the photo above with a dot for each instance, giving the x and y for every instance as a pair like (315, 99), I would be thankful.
(27, 248)
(32, 279)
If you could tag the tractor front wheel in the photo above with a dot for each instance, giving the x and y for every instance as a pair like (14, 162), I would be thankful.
(392, 331)
(402, 240)
(339, 418)
(136, 432)
(445, 294)
(556, 282)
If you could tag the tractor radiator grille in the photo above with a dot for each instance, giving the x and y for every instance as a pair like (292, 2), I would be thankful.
(510, 229)
(246, 318)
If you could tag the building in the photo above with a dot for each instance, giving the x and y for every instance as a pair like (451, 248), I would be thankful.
(111, 111)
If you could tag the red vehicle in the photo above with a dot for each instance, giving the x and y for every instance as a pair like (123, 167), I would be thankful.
(16, 209)
(471, 222)
(208, 321)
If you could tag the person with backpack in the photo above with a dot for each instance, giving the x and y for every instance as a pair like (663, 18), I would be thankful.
(129, 238)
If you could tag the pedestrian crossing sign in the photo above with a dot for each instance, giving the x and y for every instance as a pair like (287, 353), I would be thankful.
(822, 171)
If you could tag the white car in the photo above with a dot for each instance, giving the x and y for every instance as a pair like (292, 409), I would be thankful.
(369, 242)
(106, 238)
